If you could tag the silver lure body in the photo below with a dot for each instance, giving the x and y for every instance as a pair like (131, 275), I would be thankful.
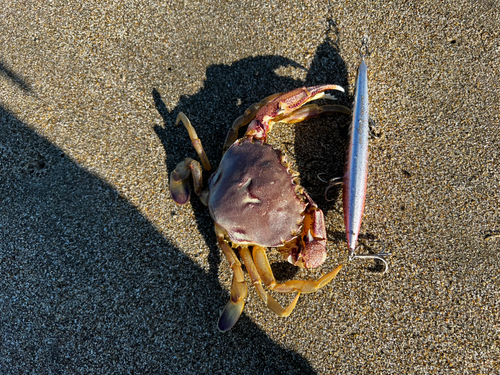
(356, 169)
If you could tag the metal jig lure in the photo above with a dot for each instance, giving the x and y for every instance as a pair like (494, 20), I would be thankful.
(356, 169)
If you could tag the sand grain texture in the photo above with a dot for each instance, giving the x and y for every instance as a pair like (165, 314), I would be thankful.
(101, 272)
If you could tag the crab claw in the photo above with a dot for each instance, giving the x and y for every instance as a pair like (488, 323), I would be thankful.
(284, 105)
(179, 180)
(314, 253)
(310, 251)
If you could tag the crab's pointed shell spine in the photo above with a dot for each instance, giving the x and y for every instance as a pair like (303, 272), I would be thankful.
(230, 315)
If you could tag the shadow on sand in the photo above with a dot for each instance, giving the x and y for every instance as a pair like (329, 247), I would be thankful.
(319, 145)
(89, 286)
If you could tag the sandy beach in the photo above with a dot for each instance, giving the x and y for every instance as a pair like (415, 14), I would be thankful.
(101, 272)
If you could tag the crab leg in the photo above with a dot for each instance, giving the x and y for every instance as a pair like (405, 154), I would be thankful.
(181, 117)
(234, 307)
(244, 119)
(301, 286)
(179, 180)
(257, 282)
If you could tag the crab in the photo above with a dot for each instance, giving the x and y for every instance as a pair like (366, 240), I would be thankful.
(256, 202)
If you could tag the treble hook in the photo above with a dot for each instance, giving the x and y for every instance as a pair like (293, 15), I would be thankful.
(331, 183)
(380, 256)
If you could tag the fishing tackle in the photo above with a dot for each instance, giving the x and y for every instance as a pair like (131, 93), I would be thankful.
(356, 169)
